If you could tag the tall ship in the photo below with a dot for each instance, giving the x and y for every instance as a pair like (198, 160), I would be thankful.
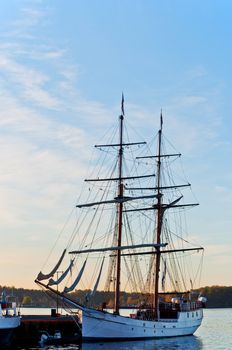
(9, 319)
(129, 236)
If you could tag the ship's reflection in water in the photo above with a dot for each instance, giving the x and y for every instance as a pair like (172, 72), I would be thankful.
(182, 343)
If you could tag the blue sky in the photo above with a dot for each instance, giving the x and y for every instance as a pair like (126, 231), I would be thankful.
(63, 67)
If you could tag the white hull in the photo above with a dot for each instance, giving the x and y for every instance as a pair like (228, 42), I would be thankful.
(9, 322)
(103, 325)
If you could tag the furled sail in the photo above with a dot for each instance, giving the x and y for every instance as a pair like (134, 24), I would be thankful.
(62, 277)
(69, 289)
(164, 275)
(41, 276)
(92, 293)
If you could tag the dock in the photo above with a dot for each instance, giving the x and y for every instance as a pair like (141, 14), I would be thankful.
(33, 326)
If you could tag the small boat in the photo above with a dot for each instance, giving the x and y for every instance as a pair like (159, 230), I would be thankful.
(46, 338)
(9, 319)
(58, 338)
(131, 231)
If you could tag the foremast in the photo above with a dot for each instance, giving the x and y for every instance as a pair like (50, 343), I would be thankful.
(119, 211)
(119, 201)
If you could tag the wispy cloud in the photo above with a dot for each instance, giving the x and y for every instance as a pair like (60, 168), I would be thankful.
(42, 152)
(31, 15)
(197, 72)
(224, 193)
(218, 250)
(31, 83)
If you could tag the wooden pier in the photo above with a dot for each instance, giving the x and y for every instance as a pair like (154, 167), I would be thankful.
(33, 326)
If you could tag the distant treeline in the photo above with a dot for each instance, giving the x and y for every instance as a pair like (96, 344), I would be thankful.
(218, 297)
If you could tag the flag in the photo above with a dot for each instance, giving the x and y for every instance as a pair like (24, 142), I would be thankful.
(161, 119)
(122, 105)
(164, 274)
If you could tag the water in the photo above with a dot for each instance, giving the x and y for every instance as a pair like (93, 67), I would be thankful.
(215, 333)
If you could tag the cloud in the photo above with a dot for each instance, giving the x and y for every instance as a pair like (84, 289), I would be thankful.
(43, 151)
(197, 72)
(193, 100)
(218, 250)
(223, 191)
(30, 17)
(31, 83)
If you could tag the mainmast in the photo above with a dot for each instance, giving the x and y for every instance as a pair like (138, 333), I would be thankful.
(119, 211)
(160, 207)
(159, 215)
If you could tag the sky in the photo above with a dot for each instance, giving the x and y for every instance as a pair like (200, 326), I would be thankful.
(63, 67)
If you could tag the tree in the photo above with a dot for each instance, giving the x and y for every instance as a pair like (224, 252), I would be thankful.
(26, 300)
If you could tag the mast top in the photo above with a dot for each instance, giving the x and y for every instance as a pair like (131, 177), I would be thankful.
(122, 107)
(161, 120)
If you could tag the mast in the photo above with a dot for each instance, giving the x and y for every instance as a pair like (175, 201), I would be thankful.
(159, 222)
(119, 200)
(160, 207)
(119, 211)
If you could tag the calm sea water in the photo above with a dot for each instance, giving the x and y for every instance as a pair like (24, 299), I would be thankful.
(215, 333)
